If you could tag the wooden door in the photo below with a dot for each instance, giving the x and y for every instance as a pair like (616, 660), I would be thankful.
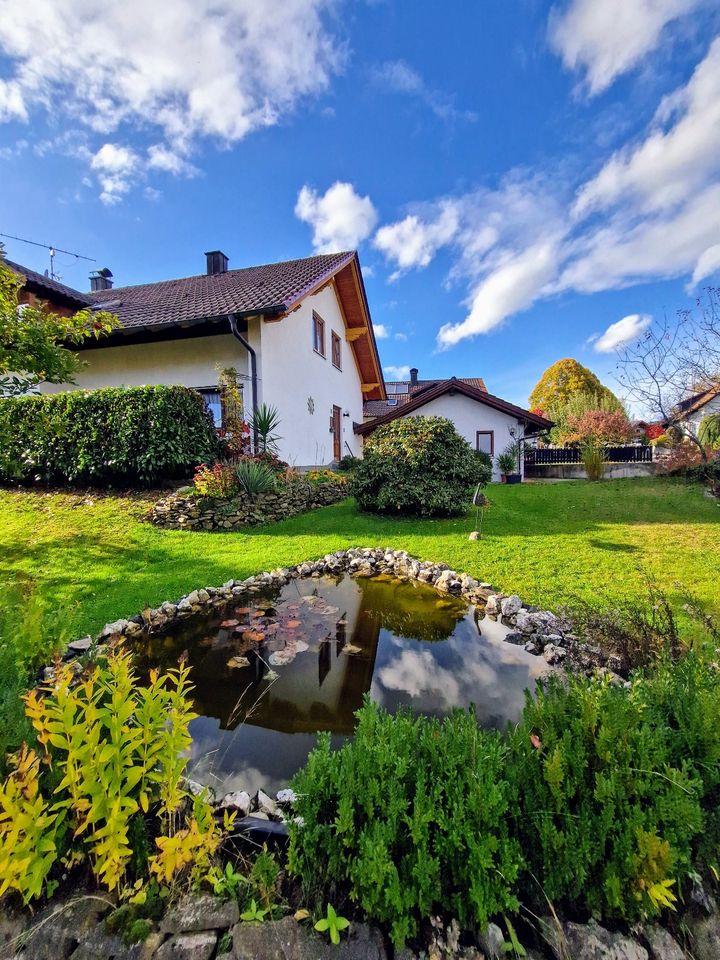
(337, 432)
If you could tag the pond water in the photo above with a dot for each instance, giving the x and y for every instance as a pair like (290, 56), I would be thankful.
(273, 670)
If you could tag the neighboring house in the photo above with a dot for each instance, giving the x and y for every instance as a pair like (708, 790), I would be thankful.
(39, 290)
(298, 333)
(691, 411)
(487, 422)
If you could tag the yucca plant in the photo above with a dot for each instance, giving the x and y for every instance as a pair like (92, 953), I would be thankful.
(264, 423)
(254, 478)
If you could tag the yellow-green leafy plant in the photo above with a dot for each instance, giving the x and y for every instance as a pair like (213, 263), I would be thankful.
(114, 751)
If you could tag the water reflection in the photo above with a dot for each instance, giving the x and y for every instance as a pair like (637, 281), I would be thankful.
(272, 672)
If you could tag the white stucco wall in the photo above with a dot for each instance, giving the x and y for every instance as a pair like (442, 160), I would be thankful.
(292, 373)
(695, 419)
(469, 416)
(187, 363)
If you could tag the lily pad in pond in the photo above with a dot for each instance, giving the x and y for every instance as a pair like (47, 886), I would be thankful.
(236, 663)
(226, 624)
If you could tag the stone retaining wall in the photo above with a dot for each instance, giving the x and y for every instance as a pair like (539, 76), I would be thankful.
(187, 511)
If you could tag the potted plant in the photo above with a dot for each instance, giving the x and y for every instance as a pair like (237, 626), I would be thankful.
(508, 464)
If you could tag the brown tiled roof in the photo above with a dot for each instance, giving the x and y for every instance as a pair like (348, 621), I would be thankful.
(46, 288)
(453, 385)
(696, 401)
(378, 408)
(273, 287)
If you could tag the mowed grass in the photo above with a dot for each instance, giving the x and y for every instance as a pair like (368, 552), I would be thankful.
(551, 543)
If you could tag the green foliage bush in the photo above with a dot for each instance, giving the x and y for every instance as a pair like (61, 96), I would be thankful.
(483, 467)
(416, 466)
(408, 819)
(608, 809)
(118, 434)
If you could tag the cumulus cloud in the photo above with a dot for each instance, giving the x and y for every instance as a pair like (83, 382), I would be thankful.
(399, 77)
(622, 332)
(606, 38)
(341, 219)
(186, 70)
(398, 372)
(413, 242)
(115, 165)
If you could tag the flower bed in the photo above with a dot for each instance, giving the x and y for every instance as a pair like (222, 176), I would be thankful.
(190, 511)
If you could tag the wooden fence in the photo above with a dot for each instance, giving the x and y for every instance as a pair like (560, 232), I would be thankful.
(547, 456)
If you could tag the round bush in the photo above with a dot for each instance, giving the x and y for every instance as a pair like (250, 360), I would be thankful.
(416, 466)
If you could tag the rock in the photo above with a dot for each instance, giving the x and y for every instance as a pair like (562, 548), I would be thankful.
(592, 942)
(188, 946)
(510, 605)
(265, 804)
(101, 944)
(524, 622)
(705, 937)
(285, 939)
(56, 930)
(351, 650)
(194, 788)
(193, 597)
(475, 535)
(699, 896)
(118, 626)
(661, 944)
(516, 638)
(237, 800)
(491, 942)
(237, 663)
(82, 645)
(531, 647)
(553, 655)
(12, 924)
(286, 796)
(199, 912)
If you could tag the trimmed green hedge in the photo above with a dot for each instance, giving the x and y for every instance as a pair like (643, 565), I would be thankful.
(118, 434)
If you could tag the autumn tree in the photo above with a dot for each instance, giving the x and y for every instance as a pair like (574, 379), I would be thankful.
(565, 381)
(35, 343)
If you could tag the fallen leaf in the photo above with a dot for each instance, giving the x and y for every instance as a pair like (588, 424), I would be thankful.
(229, 623)
(243, 611)
(254, 636)
(293, 624)
(236, 663)
(535, 741)
(301, 915)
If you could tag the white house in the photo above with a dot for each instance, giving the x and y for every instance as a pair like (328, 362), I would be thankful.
(487, 422)
(299, 334)
(692, 411)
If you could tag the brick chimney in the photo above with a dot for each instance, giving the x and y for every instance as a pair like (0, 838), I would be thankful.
(217, 262)
(413, 376)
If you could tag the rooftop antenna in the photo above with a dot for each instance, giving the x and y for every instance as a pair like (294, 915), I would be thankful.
(52, 249)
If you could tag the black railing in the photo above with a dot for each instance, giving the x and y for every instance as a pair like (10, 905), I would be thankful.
(547, 456)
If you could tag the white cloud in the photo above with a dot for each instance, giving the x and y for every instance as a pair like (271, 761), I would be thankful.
(186, 69)
(707, 264)
(622, 332)
(402, 337)
(606, 38)
(382, 332)
(413, 242)
(162, 157)
(398, 372)
(399, 77)
(511, 286)
(340, 218)
(115, 165)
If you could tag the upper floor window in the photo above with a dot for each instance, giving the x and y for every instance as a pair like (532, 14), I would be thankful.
(318, 334)
(336, 350)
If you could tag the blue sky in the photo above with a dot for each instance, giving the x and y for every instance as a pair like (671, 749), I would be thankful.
(524, 181)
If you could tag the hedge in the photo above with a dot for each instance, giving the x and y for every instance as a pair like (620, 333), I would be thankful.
(118, 434)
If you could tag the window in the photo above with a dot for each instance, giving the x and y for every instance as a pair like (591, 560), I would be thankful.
(318, 334)
(485, 441)
(336, 350)
(396, 389)
(212, 399)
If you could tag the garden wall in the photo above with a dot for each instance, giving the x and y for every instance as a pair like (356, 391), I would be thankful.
(576, 471)
(187, 511)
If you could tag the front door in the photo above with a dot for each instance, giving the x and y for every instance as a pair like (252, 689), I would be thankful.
(337, 432)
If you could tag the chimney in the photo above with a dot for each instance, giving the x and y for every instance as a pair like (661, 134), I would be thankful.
(101, 280)
(217, 262)
(413, 376)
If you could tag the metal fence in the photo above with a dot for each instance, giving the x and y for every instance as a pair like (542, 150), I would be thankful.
(546, 456)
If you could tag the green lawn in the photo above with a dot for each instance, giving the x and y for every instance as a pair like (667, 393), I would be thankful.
(549, 543)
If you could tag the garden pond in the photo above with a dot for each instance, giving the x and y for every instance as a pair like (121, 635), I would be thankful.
(273, 670)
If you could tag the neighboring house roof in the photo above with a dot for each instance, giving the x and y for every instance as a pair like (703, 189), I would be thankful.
(270, 288)
(535, 422)
(51, 290)
(696, 402)
(378, 408)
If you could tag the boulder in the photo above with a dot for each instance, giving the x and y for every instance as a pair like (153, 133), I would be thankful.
(82, 645)
(265, 804)
(238, 800)
(510, 605)
(704, 937)
(188, 946)
(200, 912)
(282, 939)
(590, 941)
(661, 944)
(491, 941)
(56, 930)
